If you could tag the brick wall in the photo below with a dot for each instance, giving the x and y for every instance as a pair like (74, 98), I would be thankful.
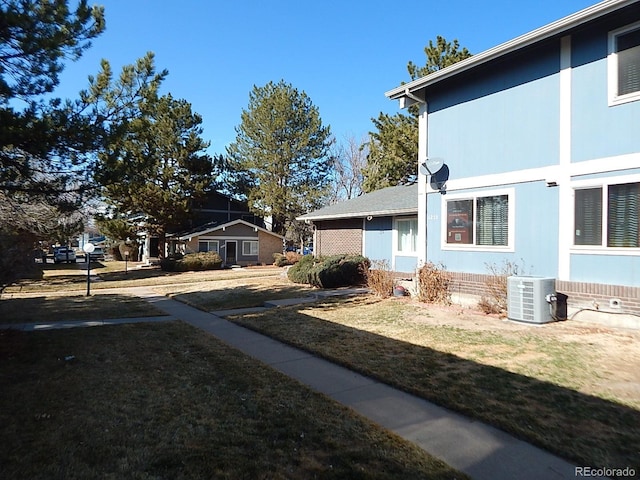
(335, 237)
(469, 283)
(599, 296)
(581, 295)
(268, 245)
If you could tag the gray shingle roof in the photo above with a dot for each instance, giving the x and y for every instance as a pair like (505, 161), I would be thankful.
(400, 200)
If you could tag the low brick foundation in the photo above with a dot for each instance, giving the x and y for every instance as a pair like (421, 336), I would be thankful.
(601, 297)
(606, 298)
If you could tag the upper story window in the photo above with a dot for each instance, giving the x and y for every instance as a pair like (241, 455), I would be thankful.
(624, 64)
(607, 216)
(479, 221)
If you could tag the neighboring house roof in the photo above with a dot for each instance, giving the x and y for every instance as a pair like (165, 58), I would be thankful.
(400, 200)
(412, 89)
(205, 229)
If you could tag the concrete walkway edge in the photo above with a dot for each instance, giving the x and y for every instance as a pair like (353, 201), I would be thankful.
(479, 450)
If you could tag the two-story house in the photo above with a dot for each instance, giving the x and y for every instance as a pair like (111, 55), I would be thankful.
(540, 139)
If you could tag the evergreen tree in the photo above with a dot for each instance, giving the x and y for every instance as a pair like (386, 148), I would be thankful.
(281, 154)
(439, 56)
(159, 168)
(44, 145)
(393, 151)
(393, 148)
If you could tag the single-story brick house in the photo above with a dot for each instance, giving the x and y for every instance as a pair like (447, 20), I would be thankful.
(379, 225)
(238, 242)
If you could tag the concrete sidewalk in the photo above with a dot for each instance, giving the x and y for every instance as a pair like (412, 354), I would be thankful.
(479, 450)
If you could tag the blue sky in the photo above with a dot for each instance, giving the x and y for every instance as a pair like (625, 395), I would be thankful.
(343, 54)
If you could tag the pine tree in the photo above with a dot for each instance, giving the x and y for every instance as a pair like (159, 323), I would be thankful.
(281, 154)
(393, 148)
(159, 168)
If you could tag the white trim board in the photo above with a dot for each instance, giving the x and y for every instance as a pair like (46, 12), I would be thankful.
(552, 173)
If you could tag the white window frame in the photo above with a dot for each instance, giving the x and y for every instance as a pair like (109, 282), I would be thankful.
(209, 242)
(251, 244)
(602, 249)
(509, 247)
(612, 68)
(396, 232)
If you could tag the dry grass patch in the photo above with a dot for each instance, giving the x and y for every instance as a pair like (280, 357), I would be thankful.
(71, 307)
(235, 293)
(165, 401)
(544, 385)
(68, 277)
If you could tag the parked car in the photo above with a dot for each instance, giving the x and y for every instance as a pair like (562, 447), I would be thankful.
(97, 254)
(64, 254)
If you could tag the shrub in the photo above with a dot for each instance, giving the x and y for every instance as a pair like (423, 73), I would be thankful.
(380, 278)
(192, 262)
(301, 271)
(434, 284)
(495, 300)
(330, 272)
(279, 260)
(289, 258)
(292, 257)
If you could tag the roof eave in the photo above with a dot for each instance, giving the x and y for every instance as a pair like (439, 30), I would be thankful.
(377, 213)
(583, 16)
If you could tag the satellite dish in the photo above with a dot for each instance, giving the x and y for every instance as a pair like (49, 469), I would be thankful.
(439, 179)
(431, 166)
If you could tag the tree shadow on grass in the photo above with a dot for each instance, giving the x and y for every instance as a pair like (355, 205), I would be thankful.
(73, 308)
(580, 427)
(241, 296)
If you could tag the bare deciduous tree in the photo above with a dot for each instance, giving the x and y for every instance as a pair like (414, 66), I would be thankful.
(350, 158)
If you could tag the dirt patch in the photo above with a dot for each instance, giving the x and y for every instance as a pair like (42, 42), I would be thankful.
(614, 353)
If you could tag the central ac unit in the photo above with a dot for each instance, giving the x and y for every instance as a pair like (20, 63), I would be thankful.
(527, 299)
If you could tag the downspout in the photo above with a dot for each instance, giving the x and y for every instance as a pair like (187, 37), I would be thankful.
(563, 180)
(422, 185)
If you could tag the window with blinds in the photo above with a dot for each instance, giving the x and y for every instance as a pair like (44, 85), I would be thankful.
(622, 217)
(628, 53)
(588, 216)
(618, 211)
(492, 220)
(624, 64)
(482, 221)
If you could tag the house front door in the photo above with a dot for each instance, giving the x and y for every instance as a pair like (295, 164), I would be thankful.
(230, 256)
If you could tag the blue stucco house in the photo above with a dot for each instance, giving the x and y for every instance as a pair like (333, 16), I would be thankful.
(541, 139)
(381, 225)
(538, 145)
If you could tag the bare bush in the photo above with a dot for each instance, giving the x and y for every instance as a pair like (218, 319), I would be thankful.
(434, 284)
(380, 278)
(495, 299)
